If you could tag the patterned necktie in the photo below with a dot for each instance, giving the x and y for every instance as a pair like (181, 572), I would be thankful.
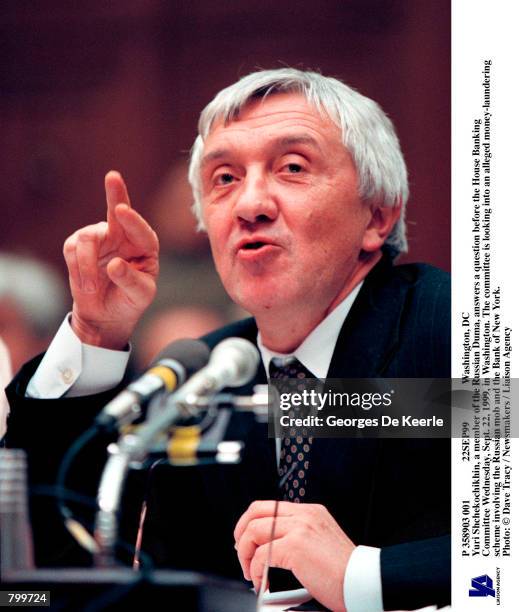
(296, 448)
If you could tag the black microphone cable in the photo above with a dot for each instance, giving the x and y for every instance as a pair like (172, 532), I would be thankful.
(146, 564)
(176, 362)
(73, 526)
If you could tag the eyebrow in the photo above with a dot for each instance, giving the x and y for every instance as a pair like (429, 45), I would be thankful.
(283, 141)
(214, 156)
(287, 141)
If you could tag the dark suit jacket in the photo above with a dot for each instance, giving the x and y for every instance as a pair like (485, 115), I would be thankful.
(390, 493)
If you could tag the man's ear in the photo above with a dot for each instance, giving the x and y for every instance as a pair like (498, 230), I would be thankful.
(383, 219)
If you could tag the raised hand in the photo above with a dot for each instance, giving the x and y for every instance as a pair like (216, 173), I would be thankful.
(113, 267)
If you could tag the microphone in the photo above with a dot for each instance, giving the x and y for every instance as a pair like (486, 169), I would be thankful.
(233, 363)
(170, 369)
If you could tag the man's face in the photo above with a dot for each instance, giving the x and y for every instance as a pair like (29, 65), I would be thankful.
(280, 204)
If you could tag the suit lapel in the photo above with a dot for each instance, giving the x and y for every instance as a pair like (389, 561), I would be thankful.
(341, 469)
(371, 332)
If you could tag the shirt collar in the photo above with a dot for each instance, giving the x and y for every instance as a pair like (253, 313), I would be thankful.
(316, 350)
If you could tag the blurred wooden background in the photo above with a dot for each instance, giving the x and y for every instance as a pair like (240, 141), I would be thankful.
(85, 87)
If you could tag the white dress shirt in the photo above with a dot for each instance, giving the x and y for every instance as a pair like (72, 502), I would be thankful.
(72, 369)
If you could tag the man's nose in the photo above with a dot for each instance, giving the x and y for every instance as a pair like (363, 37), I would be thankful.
(255, 201)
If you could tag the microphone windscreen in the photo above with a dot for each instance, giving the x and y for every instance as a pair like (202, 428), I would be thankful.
(192, 354)
(242, 359)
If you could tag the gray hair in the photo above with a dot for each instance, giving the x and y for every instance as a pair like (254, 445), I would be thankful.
(36, 288)
(367, 133)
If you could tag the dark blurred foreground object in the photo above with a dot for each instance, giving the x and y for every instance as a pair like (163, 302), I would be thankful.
(16, 546)
(124, 589)
(94, 589)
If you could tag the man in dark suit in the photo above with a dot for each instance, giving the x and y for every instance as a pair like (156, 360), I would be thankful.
(381, 492)
(301, 185)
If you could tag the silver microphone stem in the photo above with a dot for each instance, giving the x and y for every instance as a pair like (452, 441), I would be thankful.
(109, 499)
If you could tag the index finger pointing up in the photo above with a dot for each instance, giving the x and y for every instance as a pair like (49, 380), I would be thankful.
(116, 193)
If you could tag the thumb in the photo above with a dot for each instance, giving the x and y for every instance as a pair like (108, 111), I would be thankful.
(138, 286)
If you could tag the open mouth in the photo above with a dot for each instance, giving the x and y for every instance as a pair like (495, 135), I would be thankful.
(253, 246)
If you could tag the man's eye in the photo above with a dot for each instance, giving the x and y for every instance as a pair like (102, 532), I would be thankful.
(294, 168)
(224, 179)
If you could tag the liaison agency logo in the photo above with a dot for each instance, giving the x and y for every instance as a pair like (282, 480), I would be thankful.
(482, 586)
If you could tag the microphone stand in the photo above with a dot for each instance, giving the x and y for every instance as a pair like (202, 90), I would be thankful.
(109, 499)
(133, 448)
